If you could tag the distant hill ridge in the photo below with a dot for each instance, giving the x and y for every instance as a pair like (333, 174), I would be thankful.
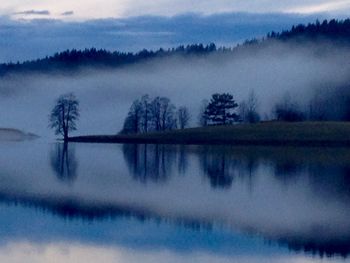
(333, 30)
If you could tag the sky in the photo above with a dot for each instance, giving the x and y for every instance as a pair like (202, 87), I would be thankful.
(31, 29)
(92, 9)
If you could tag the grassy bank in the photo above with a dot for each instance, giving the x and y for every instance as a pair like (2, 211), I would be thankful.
(265, 133)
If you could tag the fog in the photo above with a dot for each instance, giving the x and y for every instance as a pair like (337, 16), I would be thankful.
(105, 95)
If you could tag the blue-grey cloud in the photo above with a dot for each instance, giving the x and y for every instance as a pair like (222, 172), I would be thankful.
(44, 37)
(67, 13)
(33, 12)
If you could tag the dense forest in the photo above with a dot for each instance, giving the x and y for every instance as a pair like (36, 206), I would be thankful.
(334, 30)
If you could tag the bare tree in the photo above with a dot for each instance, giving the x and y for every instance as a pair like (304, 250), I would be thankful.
(64, 115)
(163, 114)
(248, 110)
(183, 117)
(203, 117)
(156, 113)
(146, 112)
(145, 115)
(132, 123)
(168, 120)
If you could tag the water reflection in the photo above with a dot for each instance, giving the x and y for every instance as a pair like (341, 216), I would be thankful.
(63, 162)
(298, 197)
(150, 162)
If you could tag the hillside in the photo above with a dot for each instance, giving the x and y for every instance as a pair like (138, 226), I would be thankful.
(338, 32)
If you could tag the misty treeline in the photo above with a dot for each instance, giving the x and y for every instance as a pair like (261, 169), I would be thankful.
(160, 114)
(76, 59)
(155, 114)
(333, 30)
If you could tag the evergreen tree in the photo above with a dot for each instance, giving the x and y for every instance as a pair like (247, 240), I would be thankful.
(221, 109)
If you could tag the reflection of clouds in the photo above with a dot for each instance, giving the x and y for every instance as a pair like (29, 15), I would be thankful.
(285, 210)
(74, 252)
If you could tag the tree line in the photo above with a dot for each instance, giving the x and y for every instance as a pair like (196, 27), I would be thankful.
(159, 114)
(333, 30)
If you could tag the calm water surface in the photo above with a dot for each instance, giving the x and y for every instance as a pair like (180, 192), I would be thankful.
(171, 203)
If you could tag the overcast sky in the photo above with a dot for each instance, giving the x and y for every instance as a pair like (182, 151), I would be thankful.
(87, 9)
(31, 29)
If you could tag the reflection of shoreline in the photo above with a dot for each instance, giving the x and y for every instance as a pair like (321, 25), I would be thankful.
(76, 209)
(280, 194)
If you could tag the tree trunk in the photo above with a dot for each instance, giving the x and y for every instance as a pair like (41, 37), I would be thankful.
(65, 137)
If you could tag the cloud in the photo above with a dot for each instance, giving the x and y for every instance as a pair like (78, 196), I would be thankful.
(96, 9)
(33, 12)
(321, 7)
(67, 13)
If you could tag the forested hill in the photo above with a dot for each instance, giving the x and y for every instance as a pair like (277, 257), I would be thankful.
(330, 30)
(75, 59)
(334, 30)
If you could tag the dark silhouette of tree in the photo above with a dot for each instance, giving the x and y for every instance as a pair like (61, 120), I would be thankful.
(288, 110)
(156, 113)
(150, 115)
(183, 117)
(221, 109)
(163, 114)
(132, 123)
(146, 113)
(64, 115)
(203, 117)
(167, 114)
(63, 162)
(248, 109)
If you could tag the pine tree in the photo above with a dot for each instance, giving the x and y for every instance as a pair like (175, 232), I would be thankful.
(221, 109)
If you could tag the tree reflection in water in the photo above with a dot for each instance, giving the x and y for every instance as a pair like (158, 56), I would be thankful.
(63, 162)
(149, 162)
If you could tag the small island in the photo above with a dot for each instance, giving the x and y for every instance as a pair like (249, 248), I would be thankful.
(9, 134)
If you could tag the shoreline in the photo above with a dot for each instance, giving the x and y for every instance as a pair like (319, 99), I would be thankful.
(260, 134)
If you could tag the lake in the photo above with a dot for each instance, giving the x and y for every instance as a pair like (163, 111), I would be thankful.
(173, 203)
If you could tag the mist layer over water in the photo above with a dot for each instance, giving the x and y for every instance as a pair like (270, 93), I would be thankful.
(105, 95)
